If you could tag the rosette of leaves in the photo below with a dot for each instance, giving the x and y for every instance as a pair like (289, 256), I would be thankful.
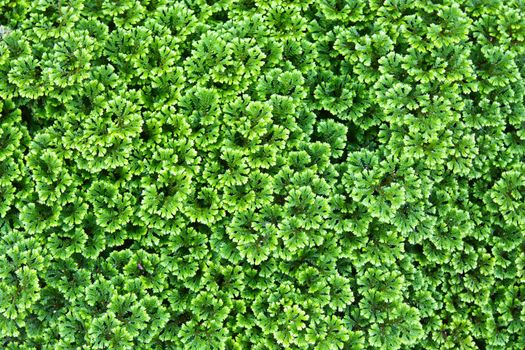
(506, 196)
(111, 207)
(164, 196)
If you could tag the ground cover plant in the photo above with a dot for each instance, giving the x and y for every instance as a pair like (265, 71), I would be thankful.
(254, 174)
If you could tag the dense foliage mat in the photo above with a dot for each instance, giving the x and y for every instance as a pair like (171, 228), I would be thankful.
(253, 174)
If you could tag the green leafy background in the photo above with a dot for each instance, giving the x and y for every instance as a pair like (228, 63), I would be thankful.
(253, 174)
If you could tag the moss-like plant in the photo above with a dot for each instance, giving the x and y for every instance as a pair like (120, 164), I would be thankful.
(262, 174)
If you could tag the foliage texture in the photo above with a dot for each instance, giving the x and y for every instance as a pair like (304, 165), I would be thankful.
(262, 174)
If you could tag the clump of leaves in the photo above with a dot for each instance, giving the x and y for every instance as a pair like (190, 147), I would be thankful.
(320, 174)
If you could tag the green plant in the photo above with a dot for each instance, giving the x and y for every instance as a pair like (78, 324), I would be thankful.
(253, 174)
